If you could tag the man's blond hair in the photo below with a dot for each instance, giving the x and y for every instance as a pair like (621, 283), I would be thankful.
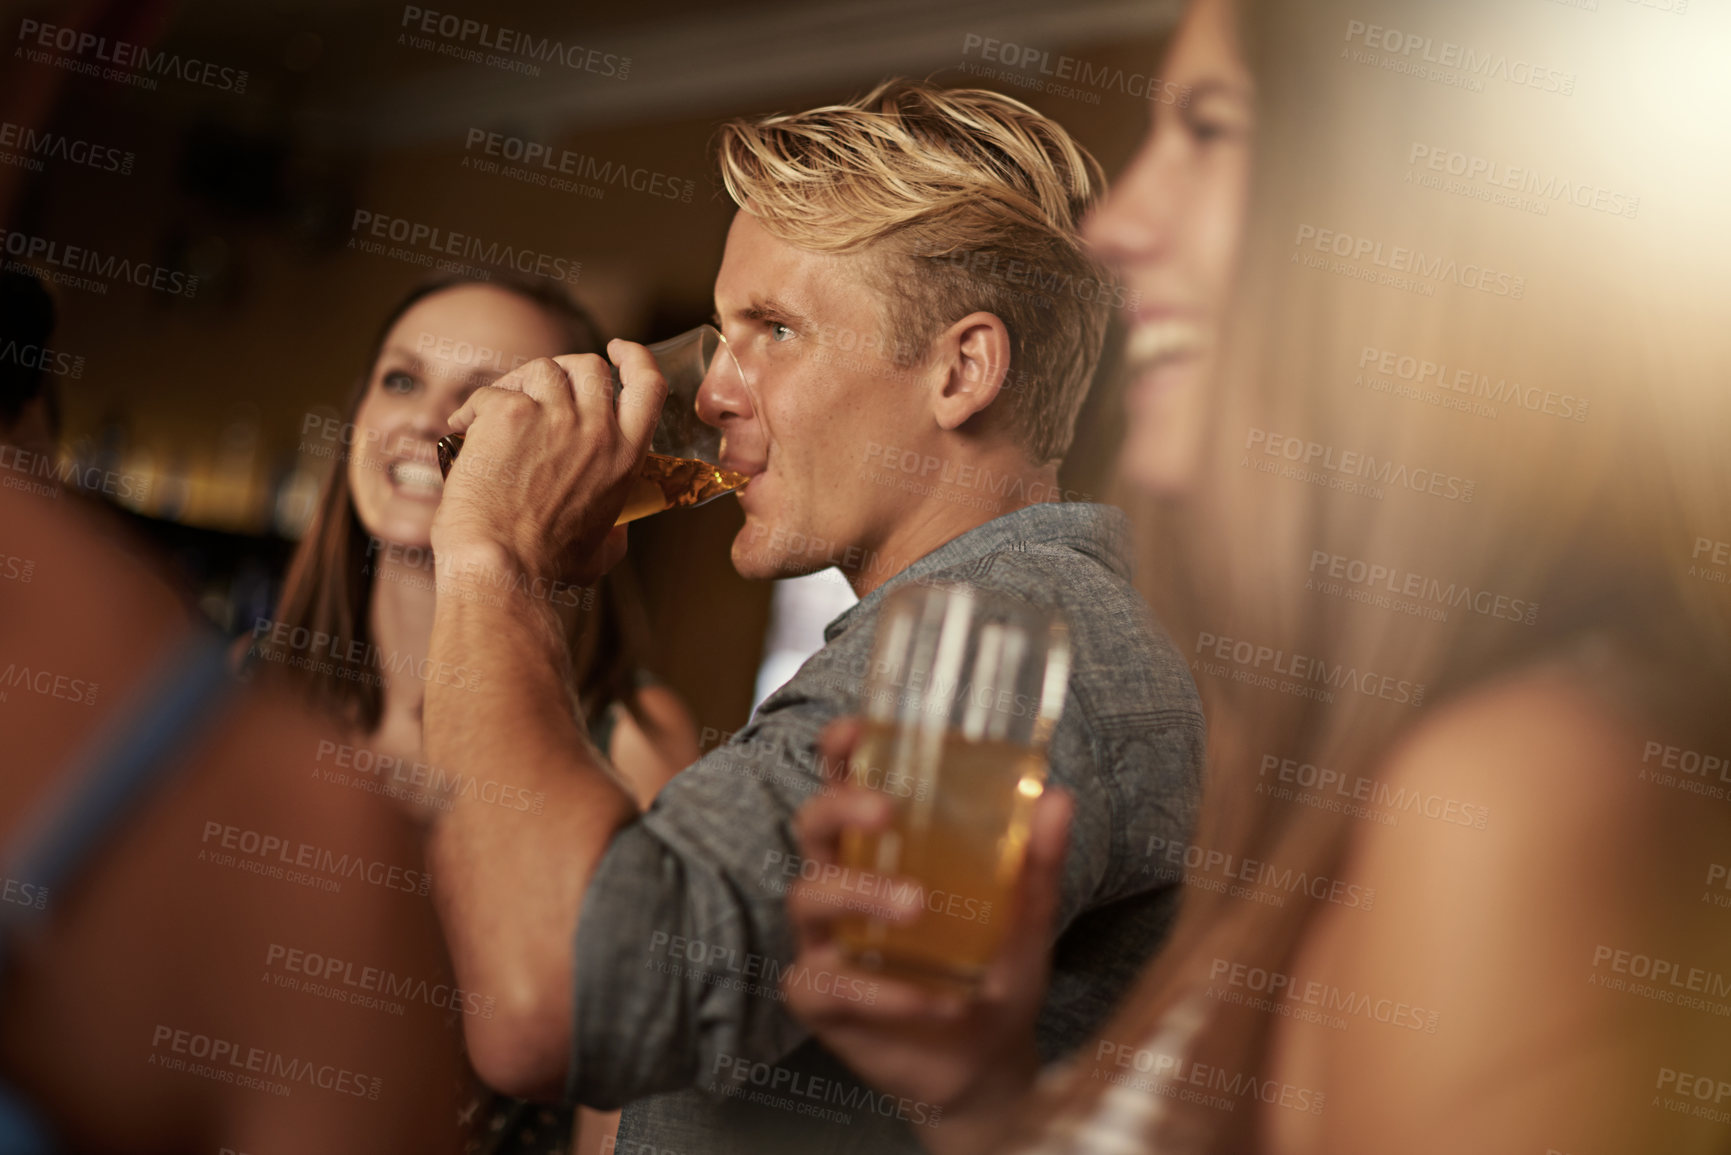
(973, 200)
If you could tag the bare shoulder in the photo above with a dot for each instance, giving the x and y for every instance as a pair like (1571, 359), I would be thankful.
(665, 711)
(1575, 774)
(1590, 825)
(653, 741)
(1560, 954)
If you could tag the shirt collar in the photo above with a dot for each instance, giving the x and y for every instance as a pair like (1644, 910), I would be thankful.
(1098, 531)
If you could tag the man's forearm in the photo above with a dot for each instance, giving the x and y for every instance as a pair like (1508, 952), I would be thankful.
(534, 811)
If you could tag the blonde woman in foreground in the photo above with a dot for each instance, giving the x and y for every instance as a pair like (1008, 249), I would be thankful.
(1425, 383)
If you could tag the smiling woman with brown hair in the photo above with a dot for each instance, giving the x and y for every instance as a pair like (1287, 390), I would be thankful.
(362, 578)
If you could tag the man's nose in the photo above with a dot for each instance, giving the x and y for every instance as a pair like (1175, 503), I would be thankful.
(724, 395)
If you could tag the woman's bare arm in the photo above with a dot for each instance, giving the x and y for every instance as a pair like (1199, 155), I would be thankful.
(198, 988)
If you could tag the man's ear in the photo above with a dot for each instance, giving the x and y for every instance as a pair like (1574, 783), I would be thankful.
(973, 356)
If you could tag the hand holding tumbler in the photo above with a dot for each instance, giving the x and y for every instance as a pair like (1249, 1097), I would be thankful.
(964, 691)
(681, 468)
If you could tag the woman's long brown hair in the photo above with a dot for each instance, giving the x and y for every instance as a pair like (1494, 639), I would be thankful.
(329, 585)
(1586, 510)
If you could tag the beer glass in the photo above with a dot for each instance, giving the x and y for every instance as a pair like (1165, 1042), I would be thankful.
(963, 693)
(680, 470)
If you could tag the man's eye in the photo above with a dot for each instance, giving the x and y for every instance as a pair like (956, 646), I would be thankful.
(779, 332)
(398, 382)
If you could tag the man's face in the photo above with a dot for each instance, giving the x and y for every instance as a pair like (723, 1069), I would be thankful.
(820, 402)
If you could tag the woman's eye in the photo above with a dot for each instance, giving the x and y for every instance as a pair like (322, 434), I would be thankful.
(1220, 123)
(398, 382)
(1204, 129)
(779, 332)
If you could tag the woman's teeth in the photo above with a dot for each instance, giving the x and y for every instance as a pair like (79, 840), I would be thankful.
(415, 475)
(1163, 340)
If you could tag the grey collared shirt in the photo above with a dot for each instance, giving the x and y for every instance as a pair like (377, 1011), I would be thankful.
(684, 941)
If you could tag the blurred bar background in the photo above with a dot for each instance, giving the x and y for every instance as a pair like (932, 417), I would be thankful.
(252, 184)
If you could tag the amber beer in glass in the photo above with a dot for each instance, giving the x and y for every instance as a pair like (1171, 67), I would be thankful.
(680, 469)
(963, 693)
